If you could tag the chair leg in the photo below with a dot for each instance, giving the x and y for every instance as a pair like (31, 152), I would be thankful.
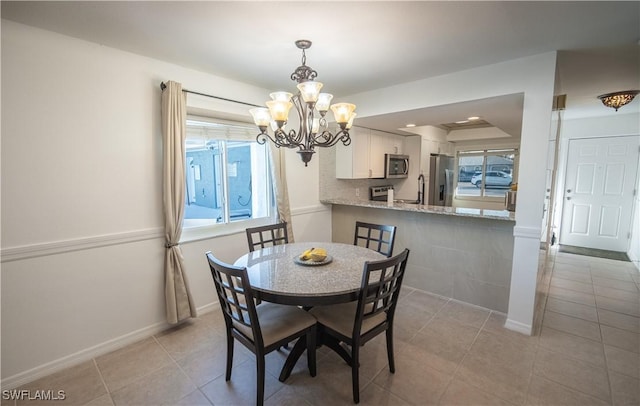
(392, 364)
(260, 363)
(355, 374)
(229, 356)
(311, 351)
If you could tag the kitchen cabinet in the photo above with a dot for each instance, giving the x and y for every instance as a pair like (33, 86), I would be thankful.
(352, 161)
(377, 149)
(364, 157)
(428, 147)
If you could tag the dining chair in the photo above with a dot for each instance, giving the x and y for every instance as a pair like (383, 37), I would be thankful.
(266, 236)
(261, 329)
(355, 323)
(375, 236)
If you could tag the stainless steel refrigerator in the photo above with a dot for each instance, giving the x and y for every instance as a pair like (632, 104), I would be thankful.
(441, 180)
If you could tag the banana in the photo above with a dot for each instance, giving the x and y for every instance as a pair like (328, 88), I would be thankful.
(314, 254)
(306, 255)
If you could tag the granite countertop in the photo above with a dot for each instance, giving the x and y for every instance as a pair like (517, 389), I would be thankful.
(449, 211)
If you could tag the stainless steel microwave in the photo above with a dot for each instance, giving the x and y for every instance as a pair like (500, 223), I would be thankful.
(396, 166)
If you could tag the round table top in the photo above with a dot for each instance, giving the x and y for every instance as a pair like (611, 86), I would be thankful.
(276, 277)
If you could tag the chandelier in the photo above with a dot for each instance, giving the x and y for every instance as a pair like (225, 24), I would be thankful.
(618, 99)
(311, 106)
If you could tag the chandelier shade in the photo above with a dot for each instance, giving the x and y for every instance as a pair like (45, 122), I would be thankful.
(342, 112)
(616, 100)
(311, 107)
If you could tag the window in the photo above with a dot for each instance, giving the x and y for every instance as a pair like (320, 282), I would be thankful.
(486, 173)
(227, 174)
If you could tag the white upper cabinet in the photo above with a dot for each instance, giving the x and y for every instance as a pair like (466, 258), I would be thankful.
(352, 161)
(364, 158)
(377, 149)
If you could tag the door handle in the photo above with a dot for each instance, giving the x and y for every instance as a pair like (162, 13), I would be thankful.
(568, 190)
(569, 198)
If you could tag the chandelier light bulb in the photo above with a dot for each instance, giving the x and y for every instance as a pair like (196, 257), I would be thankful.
(342, 112)
(279, 109)
(261, 116)
(315, 126)
(281, 96)
(324, 101)
(310, 91)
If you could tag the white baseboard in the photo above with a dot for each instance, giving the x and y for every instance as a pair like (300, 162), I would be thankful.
(518, 327)
(87, 354)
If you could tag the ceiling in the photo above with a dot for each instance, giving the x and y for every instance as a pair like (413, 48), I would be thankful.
(362, 46)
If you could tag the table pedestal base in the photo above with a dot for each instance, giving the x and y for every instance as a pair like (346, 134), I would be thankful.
(299, 348)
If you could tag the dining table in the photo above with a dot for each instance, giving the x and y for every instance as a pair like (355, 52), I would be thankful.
(277, 274)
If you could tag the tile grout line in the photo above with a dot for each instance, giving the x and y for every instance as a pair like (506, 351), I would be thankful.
(104, 383)
(466, 353)
(198, 388)
(552, 351)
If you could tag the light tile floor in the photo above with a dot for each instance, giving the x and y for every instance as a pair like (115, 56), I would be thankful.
(586, 352)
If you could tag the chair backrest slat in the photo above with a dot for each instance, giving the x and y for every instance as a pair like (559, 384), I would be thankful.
(235, 297)
(267, 236)
(380, 289)
(376, 237)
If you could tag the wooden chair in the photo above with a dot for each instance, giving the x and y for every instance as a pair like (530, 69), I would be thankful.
(261, 329)
(375, 236)
(356, 323)
(266, 236)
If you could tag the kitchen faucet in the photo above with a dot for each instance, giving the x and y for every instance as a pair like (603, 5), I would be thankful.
(421, 189)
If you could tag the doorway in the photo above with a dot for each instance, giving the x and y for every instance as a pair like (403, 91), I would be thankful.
(599, 192)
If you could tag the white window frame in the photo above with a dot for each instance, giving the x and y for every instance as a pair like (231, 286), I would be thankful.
(484, 152)
(201, 229)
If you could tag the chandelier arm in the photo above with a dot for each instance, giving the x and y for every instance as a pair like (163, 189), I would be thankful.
(300, 109)
(287, 140)
(294, 140)
(262, 139)
(309, 140)
(332, 139)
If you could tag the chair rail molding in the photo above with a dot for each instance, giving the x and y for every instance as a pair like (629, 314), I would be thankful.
(58, 247)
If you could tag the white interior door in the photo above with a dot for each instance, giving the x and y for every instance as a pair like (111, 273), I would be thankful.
(598, 193)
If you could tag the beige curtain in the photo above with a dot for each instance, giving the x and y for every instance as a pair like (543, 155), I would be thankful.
(279, 175)
(179, 303)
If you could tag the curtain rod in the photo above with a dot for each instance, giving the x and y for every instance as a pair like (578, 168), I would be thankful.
(163, 86)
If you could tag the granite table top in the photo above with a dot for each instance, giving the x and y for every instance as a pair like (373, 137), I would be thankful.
(276, 277)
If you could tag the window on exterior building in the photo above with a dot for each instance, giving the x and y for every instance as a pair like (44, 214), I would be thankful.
(227, 175)
(486, 174)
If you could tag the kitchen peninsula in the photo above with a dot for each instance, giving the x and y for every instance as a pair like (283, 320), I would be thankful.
(465, 254)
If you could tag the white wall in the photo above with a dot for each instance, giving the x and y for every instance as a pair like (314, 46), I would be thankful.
(534, 76)
(82, 238)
